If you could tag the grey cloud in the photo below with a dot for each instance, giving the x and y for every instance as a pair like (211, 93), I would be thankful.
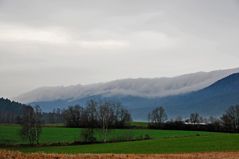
(96, 41)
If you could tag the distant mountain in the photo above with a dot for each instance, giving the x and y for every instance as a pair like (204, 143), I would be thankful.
(212, 100)
(141, 87)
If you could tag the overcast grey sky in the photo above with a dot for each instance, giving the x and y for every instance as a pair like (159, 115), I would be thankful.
(56, 42)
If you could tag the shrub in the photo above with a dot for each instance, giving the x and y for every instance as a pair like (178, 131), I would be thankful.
(87, 136)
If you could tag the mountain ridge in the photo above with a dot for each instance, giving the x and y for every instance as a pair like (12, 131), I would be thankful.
(142, 87)
(210, 101)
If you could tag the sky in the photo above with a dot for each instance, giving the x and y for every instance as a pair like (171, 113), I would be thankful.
(56, 42)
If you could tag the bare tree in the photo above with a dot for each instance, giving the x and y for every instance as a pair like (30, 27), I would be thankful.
(106, 116)
(157, 116)
(91, 114)
(194, 118)
(122, 116)
(231, 118)
(31, 124)
(37, 123)
(74, 116)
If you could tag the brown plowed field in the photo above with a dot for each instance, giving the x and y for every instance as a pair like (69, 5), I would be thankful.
(211, 155)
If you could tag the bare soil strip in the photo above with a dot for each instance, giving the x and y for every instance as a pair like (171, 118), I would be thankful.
(210, 155)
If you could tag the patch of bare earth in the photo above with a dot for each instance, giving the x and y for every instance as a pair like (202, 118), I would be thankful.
(210, 155)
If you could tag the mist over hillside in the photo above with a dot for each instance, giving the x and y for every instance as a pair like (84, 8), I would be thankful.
(210, 101)
(141, 87)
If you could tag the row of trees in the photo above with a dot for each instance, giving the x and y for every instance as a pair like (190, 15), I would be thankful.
(93, 114)
(228, 122)
(231, 118)
(97, 115)
(8, 117)
(106, 115)
(103, 115)
(54, 117)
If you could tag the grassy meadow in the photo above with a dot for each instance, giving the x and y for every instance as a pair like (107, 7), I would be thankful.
(9, 134)
(163, 141)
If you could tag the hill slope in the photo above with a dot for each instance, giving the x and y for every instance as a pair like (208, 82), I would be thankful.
(9, 110)
(142, 87)
(213, 100)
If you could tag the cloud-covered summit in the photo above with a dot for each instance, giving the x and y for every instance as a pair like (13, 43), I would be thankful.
(155, 87)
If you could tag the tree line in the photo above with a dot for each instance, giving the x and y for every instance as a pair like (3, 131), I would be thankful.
(228, 122)
(101, 115)
(10, 111)
(105, 115)
(97, 115)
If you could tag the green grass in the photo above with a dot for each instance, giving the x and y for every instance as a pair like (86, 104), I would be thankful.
(138, 124)
(10, 134)
(164, 141)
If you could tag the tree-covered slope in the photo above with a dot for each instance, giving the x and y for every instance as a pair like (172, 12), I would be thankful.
(9, 110)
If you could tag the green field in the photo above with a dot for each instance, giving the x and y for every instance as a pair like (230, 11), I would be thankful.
(163, 141)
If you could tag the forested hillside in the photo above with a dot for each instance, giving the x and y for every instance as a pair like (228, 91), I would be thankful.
(10, 110)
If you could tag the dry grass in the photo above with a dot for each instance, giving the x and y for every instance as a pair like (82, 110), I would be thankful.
(212, 155)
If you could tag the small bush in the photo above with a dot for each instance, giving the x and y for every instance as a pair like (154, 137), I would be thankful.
(87, 136)
(146, 137)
